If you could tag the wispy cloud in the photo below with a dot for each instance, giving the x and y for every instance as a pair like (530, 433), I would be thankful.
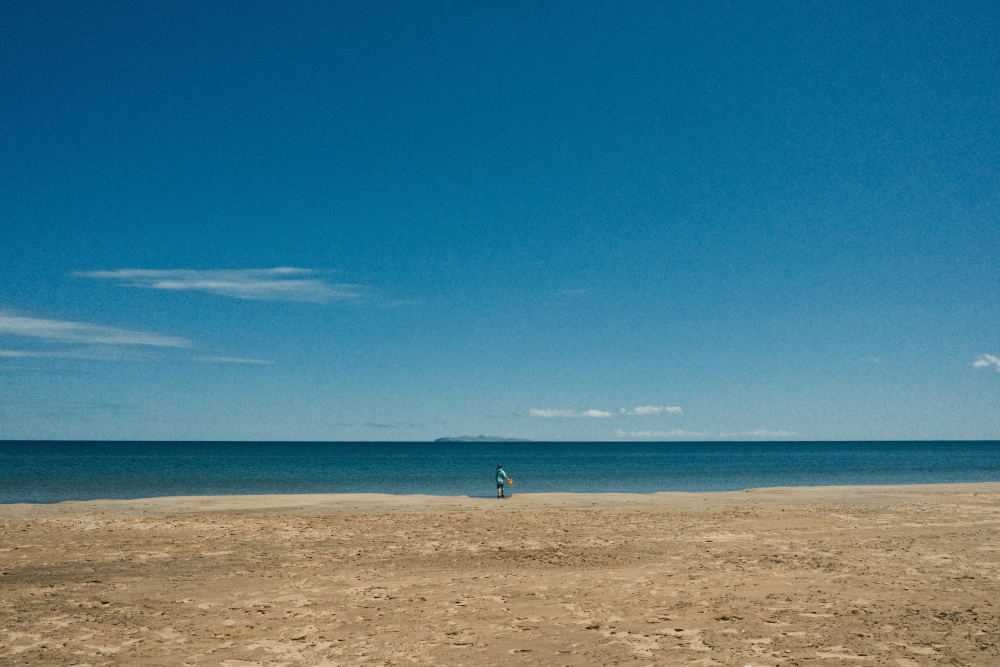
(679, 434)
(95, 353)
(573, 292)
(8, 368)
(987, 360)
(639, 411)
(112, 353)
(549, 413)
(235, 360)
(24, 354)
(57, 339)
(676, 433)
(644, 410)
(278, 284)
(82, 333)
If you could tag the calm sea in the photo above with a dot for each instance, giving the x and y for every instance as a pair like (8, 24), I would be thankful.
(45, 472)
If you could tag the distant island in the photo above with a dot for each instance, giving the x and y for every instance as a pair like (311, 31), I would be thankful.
(480, 438)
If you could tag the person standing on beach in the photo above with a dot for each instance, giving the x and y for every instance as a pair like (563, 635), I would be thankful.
(501, 480)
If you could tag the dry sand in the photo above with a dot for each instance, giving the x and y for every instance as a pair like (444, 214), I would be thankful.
(903, 576)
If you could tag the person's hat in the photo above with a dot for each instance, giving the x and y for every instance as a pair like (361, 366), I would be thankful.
(499, 466)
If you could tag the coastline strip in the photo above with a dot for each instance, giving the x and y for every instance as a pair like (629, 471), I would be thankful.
(388, 503)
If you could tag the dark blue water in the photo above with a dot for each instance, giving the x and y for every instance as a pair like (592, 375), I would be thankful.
(44, 472)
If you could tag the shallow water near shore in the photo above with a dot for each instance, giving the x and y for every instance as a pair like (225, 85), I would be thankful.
(46, 472)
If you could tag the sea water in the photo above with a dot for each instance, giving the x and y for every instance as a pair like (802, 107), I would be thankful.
(45, 472)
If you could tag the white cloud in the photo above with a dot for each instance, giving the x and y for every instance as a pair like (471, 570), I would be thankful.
(573, 292)
(79, 332)
(101, 353)
(676, 433)
(535, 412)
(643, 410)
(234, 360)
(987, 360)
(21, 354)
(278, 284)
(111, 353)
(679, 434)
(640, 411)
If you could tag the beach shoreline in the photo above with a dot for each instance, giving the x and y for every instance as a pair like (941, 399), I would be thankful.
(382, 502)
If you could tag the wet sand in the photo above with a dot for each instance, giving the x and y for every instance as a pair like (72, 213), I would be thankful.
(904, 576)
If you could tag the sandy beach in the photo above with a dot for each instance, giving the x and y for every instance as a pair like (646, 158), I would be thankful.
(903, 576)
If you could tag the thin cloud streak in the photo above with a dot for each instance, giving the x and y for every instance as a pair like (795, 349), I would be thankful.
(235, 360)
(679, 434)
(277, 284)
(110, 353)
(568, 414)
(101, 353)
(639, 411)
(676, 433)
(22, 354)
(987, 360)
(645, 410)
(82, 333)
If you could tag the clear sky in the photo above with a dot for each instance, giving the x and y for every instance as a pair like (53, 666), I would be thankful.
(595, 221)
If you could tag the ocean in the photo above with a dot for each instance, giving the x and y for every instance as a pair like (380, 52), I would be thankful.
(48, 472)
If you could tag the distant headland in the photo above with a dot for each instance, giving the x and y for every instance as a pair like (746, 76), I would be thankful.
(480, 438)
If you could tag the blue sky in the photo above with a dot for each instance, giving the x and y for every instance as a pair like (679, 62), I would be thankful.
(594, 221)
